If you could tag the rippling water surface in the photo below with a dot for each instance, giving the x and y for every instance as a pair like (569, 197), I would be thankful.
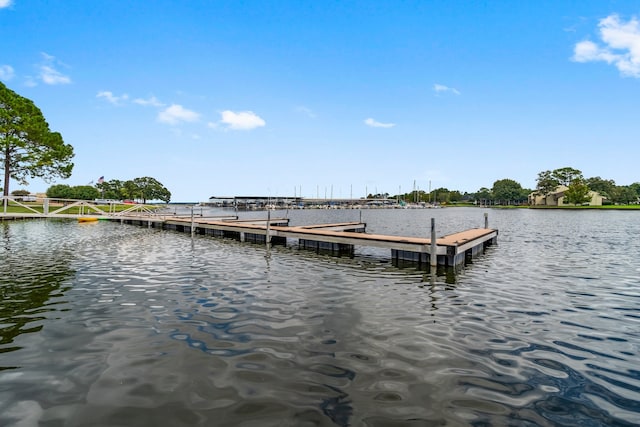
(114, 325)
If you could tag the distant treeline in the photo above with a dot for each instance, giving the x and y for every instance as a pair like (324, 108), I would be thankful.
(510, 192)
(140, 189)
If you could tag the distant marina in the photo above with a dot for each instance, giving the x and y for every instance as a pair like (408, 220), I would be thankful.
(284, 202)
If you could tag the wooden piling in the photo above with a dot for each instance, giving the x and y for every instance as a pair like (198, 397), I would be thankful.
(268, 235)
(193, 226)
(433, 255)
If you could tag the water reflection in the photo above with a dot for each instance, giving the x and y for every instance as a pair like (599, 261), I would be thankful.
(227, 322)
(149, 327)
(32, 287)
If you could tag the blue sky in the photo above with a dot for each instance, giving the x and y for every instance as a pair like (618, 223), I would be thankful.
(219, 98)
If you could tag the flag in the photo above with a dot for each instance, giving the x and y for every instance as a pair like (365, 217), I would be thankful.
(101, 180)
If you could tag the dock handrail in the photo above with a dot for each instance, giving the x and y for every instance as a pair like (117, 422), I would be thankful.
(46, 207)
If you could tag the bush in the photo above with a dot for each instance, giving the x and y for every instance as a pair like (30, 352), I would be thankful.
(79, 192)
(59, 191)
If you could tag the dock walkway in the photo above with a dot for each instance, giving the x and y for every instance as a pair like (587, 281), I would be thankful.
(342, 238)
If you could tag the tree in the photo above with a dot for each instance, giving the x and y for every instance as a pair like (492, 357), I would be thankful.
(525, 193)
(455, 196)
(483, 196)
(548, 181)
(113, 189)
(577, 193)
(439, 195)
(603, 186)
(565, 176)
(151, 189)
(507, 190)
(420, 196)
(378, 196)
(130, 190)
(20, 195)
(84, 192)
(78, 192)
(624, 194)
(59, 191)
(28, 148)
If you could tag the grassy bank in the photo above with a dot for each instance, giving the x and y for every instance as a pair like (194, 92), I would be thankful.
(605, 207)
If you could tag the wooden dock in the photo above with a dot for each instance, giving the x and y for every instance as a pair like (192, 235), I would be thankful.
(451, 250)
(342, 238)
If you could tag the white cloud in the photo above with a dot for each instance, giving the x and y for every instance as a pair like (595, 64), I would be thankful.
(51, 76)
(6, 72)
(151, 102)
(242, 120)
(48, 72)
(375, 124)
(621, 46)
(30, 81)
(438, 88)
(175, 114)
(5, 3)
(115, 100)
(306, 111)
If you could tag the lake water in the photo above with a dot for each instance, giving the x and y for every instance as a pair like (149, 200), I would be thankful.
(103, 324)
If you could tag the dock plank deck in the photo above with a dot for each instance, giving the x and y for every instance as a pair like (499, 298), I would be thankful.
(450, 250)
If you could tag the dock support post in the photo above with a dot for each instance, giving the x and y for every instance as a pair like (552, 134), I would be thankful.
(486, 220)
(193, 227)
(45, 206)
(267, 237)
(433, 255)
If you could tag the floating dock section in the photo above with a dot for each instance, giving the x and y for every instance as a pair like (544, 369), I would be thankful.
(451, 250)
